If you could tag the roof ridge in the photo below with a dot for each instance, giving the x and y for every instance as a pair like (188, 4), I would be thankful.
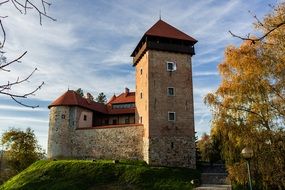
(163, 29)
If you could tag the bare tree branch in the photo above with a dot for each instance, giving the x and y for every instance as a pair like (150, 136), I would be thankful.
(5, 89)
(269, 29)
(257, 19)
(3, 2)
(260, 38)
(16, 6)
(9, 84)
(4, 35)
(15, 60)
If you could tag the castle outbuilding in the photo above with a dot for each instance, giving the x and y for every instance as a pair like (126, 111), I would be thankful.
(155, 123)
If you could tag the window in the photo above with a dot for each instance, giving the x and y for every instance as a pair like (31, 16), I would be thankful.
(114, 121)
(85, 117)
(171, 116)
(62, 116)
(141, 71)
(141, 95)
(140, 119)
(126, 105)
(171, 66)
(170, 91)
(127, 121)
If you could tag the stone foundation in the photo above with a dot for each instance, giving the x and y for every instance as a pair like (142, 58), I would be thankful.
(172, 151)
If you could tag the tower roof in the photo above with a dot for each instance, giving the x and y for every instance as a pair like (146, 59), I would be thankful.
(163, 29)
(164, 37)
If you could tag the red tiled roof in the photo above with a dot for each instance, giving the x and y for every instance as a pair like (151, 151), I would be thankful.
(123, 98)
(163, 29)
(71, 98)
(113, 98)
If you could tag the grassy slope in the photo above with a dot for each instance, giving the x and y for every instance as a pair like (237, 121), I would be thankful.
(56, 175)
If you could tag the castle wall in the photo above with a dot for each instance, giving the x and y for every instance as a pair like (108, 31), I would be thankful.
(172, 151)
(142, 100)
(67, 140)
(160, 103)
(85, 119)
(168, 143)
(59, 131)
(120, 142)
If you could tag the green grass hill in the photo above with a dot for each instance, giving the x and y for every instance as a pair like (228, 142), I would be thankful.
(95, 175)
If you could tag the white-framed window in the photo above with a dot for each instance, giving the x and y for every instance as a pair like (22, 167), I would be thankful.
(171, 116)
(170, 91)
(170, 66)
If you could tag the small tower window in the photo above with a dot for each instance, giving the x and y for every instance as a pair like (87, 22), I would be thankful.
(170, 66)
(171, 116)
(85, 117)
(172, 145)
(140, 119)
(170, 91)
(141, 95)
(141, 71)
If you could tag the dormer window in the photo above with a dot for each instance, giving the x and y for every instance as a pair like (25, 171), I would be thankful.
(171, 66)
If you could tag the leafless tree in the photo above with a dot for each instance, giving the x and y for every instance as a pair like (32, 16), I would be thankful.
(23, 6)
(268, 29)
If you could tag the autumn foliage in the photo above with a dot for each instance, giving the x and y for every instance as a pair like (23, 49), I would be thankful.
(249, 105)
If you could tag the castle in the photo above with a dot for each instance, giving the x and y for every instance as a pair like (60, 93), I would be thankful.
(155, 123)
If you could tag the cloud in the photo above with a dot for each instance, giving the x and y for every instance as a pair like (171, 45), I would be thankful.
(21, 108)
(89, 47)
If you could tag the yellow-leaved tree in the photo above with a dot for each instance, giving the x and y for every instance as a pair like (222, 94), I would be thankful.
(248, 107)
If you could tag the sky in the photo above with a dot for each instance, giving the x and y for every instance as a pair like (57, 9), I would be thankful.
(89, 47)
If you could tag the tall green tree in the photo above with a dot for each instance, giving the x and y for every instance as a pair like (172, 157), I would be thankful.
(209, 148)
(101, 98)
(249, 105)
(21, 148)
(203, 146)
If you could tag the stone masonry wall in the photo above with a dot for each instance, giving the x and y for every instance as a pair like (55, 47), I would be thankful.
(172, 151)
(171, 143)
(124, 142)
(67, 140)
(58, 137)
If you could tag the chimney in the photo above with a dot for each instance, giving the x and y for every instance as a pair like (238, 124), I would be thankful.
(127, 90)
(89, 97)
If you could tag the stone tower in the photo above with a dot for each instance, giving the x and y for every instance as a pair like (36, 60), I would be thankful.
(164, 95)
